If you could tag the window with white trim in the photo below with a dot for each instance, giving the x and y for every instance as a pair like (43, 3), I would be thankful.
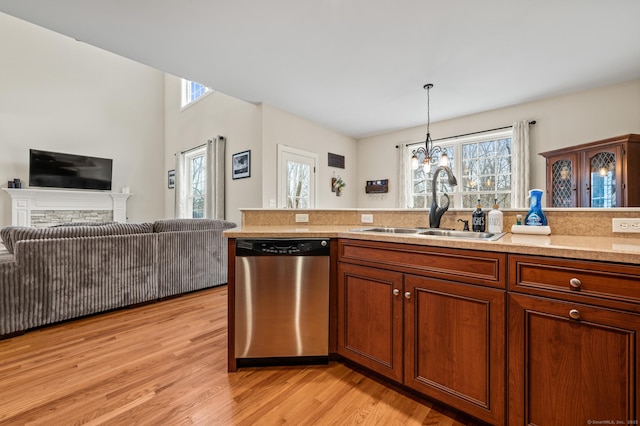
(481, 164)
(192, 91)
(196, 172)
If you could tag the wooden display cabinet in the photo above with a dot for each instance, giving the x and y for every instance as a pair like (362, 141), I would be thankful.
(596, 174)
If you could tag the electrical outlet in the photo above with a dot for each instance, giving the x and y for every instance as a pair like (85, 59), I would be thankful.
(366, 218)
(626, 225)
(302, 217)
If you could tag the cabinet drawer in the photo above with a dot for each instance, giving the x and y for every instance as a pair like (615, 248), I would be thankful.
(470, 266)
(601, 283)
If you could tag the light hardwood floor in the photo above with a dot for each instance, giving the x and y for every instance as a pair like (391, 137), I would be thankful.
(165, 364)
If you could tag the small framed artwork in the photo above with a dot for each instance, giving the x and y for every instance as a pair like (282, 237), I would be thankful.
(335, 160)
(241, 165)
(171, 179)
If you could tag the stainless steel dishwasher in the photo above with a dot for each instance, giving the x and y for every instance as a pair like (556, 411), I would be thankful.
(282, 301)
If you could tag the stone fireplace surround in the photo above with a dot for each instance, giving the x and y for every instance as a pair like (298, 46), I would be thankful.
(55, 206)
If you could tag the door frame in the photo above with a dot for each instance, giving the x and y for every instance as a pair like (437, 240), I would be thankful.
(281, 174)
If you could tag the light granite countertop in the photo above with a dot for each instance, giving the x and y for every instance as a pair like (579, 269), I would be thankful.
(612, 249)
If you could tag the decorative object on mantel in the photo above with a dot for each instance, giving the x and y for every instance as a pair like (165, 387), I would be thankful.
(241, 165)
(429, 149)
(171, 179)
(380, 186)
(336, 160)
(337, 184)
(15, 183)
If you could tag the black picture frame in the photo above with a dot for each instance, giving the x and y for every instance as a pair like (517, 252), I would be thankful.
(171, 179)
(241, 165)
(335, 160)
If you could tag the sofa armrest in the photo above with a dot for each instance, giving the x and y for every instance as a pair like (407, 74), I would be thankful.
(191, 260)
(10, 287)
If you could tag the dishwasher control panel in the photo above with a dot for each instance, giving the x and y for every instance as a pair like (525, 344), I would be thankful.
(283, 247)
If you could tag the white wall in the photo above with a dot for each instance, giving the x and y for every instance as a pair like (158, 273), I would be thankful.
(58, 94)
(215, 114)
(280, 127)
(561, 121)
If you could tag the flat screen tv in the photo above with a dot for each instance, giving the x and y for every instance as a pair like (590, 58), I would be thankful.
(58, 170)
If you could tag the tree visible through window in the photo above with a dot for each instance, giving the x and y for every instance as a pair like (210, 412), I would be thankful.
(196, 162)
(482, 166)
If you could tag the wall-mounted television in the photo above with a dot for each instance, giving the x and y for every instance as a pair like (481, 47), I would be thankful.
(58, 170)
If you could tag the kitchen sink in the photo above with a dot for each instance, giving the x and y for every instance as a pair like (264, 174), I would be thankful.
(486, 236)
(435, 232)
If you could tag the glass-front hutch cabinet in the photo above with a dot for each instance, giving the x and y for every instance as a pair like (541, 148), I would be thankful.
(604, 173)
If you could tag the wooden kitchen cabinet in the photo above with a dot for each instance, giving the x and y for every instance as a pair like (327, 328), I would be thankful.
(455, 345)
(370, 318)
(596, 174)
(574, 343)
(406, 312)
(571, 364)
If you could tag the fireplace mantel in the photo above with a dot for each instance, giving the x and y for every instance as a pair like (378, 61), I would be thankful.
(25, 201)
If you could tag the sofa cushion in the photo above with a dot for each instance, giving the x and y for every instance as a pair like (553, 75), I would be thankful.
(25, 233)
(7, 236)
(169, 225)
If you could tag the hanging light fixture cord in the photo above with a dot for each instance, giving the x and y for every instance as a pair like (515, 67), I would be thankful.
(428, 87)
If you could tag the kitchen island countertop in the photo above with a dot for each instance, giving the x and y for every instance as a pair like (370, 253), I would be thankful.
(611, 249)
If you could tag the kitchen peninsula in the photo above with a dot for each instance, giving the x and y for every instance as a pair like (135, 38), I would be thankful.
(525, 329)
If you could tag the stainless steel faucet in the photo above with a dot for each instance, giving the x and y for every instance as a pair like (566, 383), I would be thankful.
(436, 212)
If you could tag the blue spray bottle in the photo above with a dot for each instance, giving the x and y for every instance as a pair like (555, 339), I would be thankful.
(535, 217)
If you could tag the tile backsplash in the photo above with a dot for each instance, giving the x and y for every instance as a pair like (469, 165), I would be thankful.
(594, 222)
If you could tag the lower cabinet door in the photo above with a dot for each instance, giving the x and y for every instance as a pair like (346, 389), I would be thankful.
(455, 345)
(370, 318)
(571, 364)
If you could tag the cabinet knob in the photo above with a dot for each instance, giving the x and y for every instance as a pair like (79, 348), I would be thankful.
(574, 313)
(396, 292)
(407, 295)
(575, 284)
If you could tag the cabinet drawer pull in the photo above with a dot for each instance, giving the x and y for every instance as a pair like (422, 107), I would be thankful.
(407, 295)
(574, 314)
(575, 283)
(396, 292)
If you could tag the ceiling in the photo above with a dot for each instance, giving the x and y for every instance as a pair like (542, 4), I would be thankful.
(358, 66)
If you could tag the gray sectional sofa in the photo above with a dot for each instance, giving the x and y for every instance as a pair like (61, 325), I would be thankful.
(54, 274)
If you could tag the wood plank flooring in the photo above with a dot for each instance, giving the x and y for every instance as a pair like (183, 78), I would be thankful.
(165, 364)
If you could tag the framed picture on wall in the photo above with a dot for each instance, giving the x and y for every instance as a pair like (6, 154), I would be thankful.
(241, 165)
(171, 179)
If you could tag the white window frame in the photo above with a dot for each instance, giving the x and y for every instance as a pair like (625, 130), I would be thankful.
(187, 95)
(188, 159)
(456, 193)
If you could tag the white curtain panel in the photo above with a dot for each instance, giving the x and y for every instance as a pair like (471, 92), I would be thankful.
(181, 182)
(520, 164)
(404, 177)
(214, 200)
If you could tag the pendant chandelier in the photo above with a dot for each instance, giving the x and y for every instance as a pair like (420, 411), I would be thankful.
(429, 150)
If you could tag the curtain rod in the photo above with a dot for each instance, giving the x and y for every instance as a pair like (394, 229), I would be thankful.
(531, 123)
(192, 149)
